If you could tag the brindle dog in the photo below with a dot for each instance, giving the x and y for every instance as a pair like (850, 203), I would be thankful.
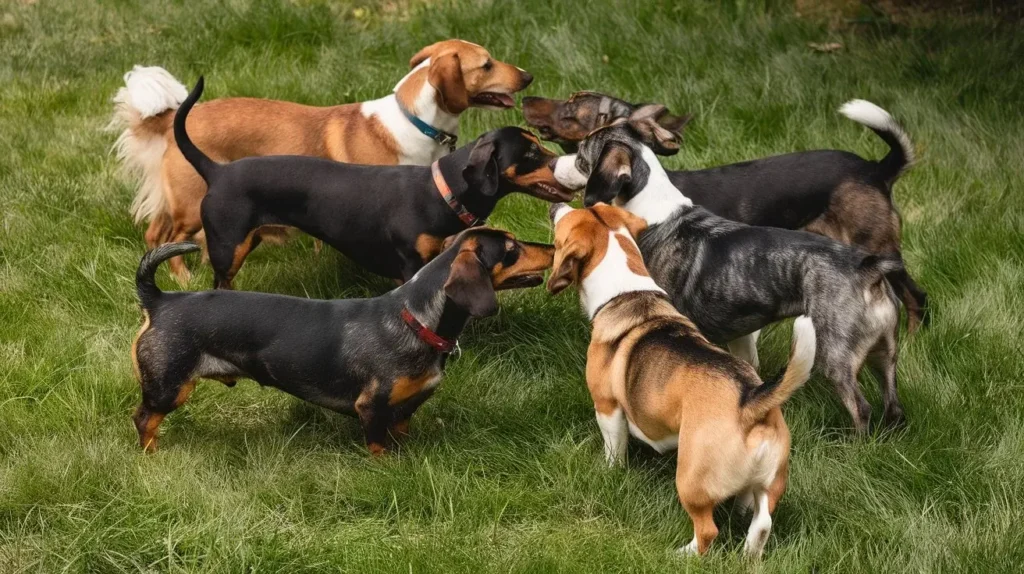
(833, 193)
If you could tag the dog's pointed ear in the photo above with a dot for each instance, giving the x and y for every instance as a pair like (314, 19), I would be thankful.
(648, 111)
(446, 76)
(659, 139)
(566, 268)
(469, 285)
(674, 124)
(481, 171)
(612, 173)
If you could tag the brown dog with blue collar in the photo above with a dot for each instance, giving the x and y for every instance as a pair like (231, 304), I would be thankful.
(390, 220)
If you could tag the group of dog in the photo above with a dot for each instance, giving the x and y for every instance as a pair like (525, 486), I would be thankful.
(667, 264)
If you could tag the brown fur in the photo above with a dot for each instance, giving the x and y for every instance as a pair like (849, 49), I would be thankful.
(229, 129)
(405, 388)
(651, 362)
(428, 246)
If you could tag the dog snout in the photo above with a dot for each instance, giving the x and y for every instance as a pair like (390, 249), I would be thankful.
(526, 78)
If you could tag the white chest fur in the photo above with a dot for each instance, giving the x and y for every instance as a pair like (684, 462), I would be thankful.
(414, 147)
(612, 277)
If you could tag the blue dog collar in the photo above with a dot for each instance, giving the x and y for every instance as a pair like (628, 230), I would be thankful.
(441, 137)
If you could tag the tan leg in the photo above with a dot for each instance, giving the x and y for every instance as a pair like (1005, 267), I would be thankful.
(147, 421)
(184, 189)
(704, 529)
(158, 231)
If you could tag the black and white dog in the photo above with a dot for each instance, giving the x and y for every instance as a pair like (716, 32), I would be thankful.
(732, 279)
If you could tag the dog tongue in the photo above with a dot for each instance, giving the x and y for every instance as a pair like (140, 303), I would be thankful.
(505, 100)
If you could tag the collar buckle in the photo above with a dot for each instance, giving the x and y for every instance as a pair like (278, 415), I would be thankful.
(441, 137)
(446, 139)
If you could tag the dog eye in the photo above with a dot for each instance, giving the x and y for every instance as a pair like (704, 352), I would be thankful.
(487, 65)
(511, 256)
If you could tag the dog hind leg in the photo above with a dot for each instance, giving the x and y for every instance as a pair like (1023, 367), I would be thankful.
(760, 525)
(882, 362)
(614, 429)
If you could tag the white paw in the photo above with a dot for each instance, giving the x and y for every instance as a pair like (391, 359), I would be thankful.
(688, 550)
(757, 537)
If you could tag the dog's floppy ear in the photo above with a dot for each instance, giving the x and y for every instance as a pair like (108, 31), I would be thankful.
(634, 224)
(566, 268)
(448, 241)
(613, 172)
(659, 139)
(446, 76)
(481, 171)
(469, 285)
(659, 129)
(423, 54)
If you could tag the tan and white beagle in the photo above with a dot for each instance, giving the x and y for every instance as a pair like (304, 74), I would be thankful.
(446, 79)
(653, 375)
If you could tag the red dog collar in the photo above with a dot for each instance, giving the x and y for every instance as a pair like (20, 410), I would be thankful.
(446, 193)
(426, 335)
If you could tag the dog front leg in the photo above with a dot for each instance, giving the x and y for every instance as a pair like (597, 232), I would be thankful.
(612, 421)
(745, 348)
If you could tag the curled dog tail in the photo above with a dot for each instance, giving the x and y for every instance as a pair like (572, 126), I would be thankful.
(901, 152)
(147, 94)
(203, 164)
(145, 283)
(758, 401)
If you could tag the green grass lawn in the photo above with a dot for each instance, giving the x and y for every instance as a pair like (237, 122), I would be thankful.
(504, 470)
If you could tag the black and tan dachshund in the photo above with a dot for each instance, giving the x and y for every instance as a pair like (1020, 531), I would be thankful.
(378, 359)
(388, 219)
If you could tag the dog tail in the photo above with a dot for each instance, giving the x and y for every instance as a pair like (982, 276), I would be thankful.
(139, 108)
(914, 299)
(761, 399)
(203, 164)
(145, 282)
(901, 152)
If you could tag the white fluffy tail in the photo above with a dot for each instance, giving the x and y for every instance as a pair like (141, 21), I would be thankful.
(768, 396)
(882, 123)
(148, 91)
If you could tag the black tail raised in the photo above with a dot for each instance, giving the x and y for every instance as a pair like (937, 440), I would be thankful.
(145, 283)
(203, 164)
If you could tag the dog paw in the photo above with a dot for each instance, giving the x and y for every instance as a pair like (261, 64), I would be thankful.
(688, 550)
(893, 418)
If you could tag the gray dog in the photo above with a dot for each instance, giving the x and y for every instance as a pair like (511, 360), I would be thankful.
(733, 279)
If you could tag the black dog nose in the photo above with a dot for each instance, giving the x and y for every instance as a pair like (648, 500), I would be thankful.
(527, 77)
